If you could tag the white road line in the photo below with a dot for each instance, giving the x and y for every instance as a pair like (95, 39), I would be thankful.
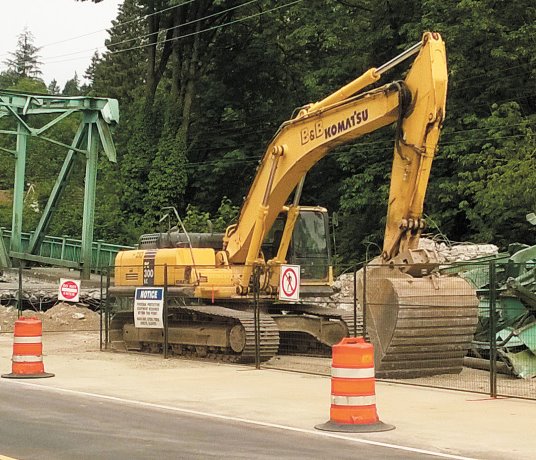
(241, 420)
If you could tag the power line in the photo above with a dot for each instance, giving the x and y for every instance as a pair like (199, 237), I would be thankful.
(187, 35)
(503, 78)
(120, 24)
(506, 69)
(218, 13)
(239, 132)
(367, 145)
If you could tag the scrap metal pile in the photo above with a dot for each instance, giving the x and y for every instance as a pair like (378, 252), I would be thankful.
(514, 320)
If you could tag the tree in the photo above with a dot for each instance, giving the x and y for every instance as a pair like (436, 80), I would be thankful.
(24, 61)
(53, 87)
(72, 87)
(168, 176)
(203, 86)
(120, 70)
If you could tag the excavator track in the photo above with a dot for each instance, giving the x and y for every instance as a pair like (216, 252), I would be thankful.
(202, 332)
(347, 317)
(303, 343)
(419, 326)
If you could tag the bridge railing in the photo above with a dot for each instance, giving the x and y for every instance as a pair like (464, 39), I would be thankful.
(69, 249)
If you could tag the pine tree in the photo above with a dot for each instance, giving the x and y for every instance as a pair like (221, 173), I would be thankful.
(72, 87)
(53, 87)
(119, 72)
(24, 61)
(90, 71)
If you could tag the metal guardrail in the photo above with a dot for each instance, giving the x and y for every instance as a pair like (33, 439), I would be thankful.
(69, 249)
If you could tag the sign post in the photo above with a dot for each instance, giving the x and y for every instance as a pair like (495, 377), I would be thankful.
(289, 283)
(149, 307)
(69, 290)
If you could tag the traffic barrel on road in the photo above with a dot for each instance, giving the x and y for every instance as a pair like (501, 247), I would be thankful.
(353, 389)
(27, 359)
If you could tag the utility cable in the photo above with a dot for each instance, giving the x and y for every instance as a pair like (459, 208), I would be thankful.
(218, 13)
(113, 26)
(187, 35)
(230, 161)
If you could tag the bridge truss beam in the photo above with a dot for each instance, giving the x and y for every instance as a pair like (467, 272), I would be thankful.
(97, 116)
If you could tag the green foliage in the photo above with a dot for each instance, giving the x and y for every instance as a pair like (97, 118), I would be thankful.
(196, 220)
(72, 87)
(197, 116)
(135, 168)
(201, 221)
(28, 85)
(53, 88)
(500, 177)
(227, 213)
(167, 177)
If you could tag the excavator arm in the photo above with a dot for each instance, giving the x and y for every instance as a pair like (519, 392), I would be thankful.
(417, 103)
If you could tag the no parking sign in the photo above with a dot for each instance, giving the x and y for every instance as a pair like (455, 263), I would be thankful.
(69, 290)
(289, 282)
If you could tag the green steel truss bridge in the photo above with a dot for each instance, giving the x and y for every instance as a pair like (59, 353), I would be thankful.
(26, 116)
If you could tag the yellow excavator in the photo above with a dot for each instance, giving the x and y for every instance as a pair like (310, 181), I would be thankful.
(420, 323)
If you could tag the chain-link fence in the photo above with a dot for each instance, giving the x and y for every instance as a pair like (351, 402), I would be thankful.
(468, 326)
(22, 294)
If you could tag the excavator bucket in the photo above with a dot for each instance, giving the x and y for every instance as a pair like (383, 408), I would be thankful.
(420, 326)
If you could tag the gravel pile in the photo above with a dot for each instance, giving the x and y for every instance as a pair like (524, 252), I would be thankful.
(61, 317)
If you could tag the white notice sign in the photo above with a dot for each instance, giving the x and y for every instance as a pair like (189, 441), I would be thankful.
(289, 282)
(149, 307)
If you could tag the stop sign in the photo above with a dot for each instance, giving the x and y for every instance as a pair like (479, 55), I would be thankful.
(69, 290)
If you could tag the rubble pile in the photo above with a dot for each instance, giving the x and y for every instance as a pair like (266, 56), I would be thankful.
(60, 318)
(343, 296)
(40, 294)
(449, 253)
(42, 299)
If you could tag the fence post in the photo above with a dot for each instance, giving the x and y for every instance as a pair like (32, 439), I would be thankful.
(107, 311)
(364, 306)
(99, 248)
(100, 308)
(256, 316)
(165, 312)
(19, 299)
(63, 244)
(492, 329)
(355, 302)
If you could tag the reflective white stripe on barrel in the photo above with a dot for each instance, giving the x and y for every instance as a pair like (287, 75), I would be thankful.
(349, 373)
(353, 400)
(27, 339)
(26, 359)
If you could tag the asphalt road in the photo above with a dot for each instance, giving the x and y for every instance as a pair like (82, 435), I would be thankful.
(40, 423)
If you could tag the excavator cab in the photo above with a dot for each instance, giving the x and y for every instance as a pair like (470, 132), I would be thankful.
(309, 247)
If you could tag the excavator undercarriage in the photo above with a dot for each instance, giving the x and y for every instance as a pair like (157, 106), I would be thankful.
(228, 334)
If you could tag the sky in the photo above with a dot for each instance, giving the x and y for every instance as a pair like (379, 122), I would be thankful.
(53, 21)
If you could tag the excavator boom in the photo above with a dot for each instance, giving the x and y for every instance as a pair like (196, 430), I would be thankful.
(417, 104)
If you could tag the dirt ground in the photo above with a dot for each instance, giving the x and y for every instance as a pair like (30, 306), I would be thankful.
(65, 334)
(60, 318)
(74, 329)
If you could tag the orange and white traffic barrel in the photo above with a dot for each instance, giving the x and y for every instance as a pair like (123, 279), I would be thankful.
(27, 359)
(353, 392)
